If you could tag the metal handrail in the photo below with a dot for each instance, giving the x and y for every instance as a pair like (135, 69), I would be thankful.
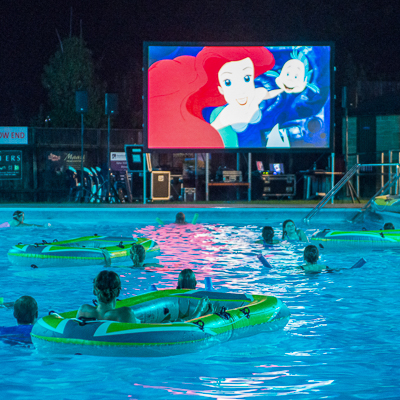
(349, 174)
(388, 185)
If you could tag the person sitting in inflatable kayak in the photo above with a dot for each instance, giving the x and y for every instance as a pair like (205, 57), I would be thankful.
(187, 280)
(107, 287)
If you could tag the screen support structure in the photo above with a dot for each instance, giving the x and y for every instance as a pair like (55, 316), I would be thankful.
(108, 197)
(82, 176)
(207, 175)
(249, 177)
(195, 167)
(144, 180)
(333, 173)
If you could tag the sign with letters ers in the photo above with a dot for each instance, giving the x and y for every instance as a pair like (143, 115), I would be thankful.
(13, 135)
(10, 164)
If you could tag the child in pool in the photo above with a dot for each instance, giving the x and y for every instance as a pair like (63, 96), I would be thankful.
(18, 220)
(311, 256)
(138, 255)
(268, 236)
(180, 218)
(291, 234)
(187, 280)
(388, 226)
(26, 314)
(107, 287)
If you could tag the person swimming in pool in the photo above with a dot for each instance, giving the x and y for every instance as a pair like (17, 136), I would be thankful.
(268, 236)
(180, 218)
(291, 234)
(18, 220)
(26, 310)
(388, 226)
(26, 314)
(137, 254)
(186, 279)
(107, 287)
(311, 257)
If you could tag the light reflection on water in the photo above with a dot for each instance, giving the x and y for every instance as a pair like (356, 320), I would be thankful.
(341, 340)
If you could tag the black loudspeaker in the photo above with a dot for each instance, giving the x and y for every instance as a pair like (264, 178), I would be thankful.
(81, 101)
(111, 103)
(344, 97)
(160, 185)
(134, 157)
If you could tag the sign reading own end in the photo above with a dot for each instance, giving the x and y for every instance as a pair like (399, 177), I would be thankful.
(10, 164)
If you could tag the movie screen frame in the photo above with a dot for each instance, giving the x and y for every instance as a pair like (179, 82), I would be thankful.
(316, 87)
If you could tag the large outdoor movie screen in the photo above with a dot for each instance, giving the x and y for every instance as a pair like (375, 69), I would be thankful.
(238, 97)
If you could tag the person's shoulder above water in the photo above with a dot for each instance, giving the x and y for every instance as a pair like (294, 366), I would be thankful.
(291, 233)
(26, 314)
(18, 220)
(107, 287)
(311, 257)
(314, 267)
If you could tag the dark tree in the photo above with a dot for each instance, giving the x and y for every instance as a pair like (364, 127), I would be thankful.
(70, 69)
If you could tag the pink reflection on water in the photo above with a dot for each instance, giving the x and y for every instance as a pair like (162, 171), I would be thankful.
(185, 246)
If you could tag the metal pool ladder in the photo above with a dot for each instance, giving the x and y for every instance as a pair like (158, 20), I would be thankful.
(349, 174)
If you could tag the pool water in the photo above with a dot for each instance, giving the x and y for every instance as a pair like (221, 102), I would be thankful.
(341, 340)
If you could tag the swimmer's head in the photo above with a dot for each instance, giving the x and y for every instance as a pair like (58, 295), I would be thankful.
(388, 226)
(26, 310)
(180, 218)
(137, 254)
(288, 226)
(187, 279)
(107, 286)
(311, 254)
(18, 215)
(268, 234)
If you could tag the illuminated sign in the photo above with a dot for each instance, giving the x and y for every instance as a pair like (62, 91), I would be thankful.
(238, 98)
(13, 135)
(10, 164)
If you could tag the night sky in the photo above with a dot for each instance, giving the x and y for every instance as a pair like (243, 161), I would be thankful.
(366, 34)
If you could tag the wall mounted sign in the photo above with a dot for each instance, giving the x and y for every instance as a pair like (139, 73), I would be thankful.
(13, 135)
(10, 164)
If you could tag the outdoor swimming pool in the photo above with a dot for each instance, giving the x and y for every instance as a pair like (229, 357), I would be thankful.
(341, 340)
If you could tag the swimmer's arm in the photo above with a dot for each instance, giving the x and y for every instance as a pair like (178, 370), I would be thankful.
(303, 236)
(40, 226)
(6, 304)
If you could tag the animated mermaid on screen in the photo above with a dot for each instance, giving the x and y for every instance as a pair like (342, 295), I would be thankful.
(220, 77)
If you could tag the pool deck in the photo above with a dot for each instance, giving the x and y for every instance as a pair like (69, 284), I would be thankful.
(285, 204)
